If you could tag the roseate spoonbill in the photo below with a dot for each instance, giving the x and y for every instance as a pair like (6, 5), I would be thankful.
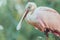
(43, 18)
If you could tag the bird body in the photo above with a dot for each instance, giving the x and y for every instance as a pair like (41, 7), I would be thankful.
(42, 18)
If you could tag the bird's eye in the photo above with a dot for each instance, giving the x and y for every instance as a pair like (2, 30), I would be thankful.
(29, 7)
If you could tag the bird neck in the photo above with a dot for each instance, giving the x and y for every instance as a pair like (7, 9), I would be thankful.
(31, 12)
(28, 17)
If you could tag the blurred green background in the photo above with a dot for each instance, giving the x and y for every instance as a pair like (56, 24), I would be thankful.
(10, 14)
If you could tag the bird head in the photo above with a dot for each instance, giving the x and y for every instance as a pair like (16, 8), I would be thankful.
(30, 7)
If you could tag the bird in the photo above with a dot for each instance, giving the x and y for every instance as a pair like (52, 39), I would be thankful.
(43, 18)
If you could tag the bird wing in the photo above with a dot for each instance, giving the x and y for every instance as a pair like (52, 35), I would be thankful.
(52, 21)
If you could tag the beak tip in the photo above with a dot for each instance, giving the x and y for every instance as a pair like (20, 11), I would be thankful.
(18, 27)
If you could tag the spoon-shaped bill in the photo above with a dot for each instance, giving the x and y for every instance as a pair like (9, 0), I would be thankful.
(20, 23)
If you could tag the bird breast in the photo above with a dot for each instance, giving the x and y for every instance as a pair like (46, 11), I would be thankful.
(31, 17)
(36, 21)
